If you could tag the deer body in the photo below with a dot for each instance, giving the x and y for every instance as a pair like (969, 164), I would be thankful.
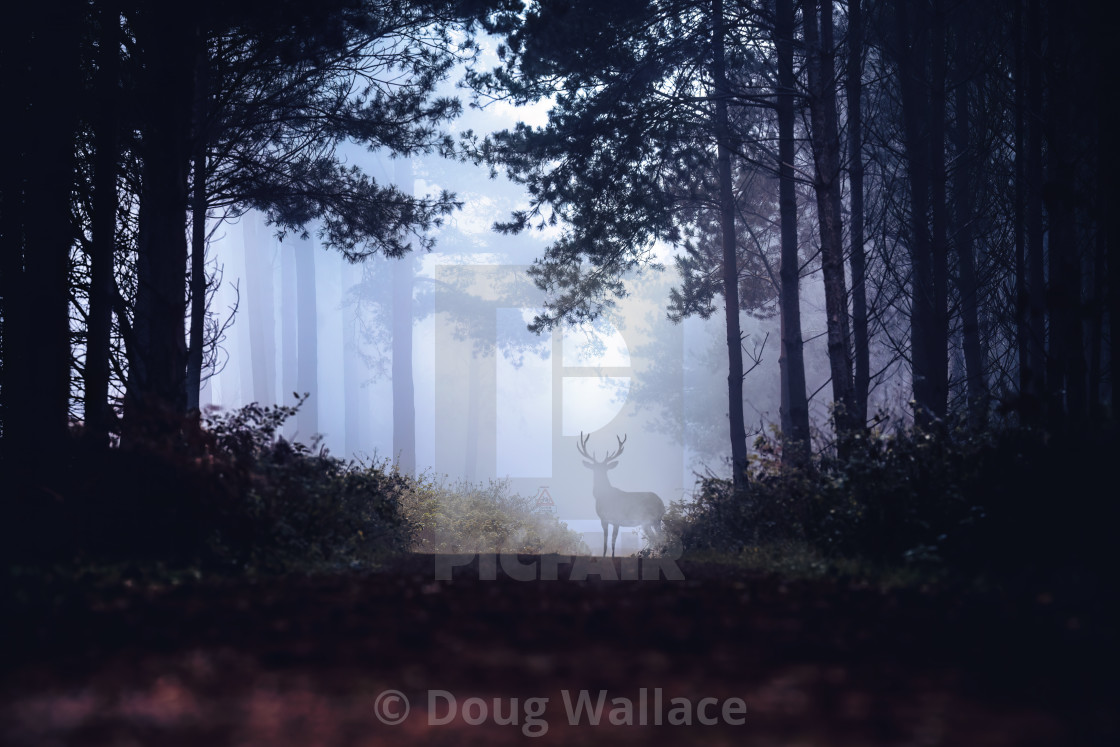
(620, 508)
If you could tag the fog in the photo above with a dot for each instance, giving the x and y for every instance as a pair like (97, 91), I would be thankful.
(426, 361)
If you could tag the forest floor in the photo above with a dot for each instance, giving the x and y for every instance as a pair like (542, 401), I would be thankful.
(303, 661)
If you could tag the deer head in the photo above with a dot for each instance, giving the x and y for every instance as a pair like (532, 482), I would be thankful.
(600, 467)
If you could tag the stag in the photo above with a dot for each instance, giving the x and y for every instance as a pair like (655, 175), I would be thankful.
(621, 508)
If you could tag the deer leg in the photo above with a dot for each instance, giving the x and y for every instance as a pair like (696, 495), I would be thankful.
(605, 525)
(614, 539)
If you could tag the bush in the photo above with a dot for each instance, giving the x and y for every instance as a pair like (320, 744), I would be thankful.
(299, 505)
(227, 494)
(466, 518)
(1001, 499)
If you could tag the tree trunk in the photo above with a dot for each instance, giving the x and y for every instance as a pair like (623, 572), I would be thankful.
(474, 397)
(352, 372)
(37, 357)
(1034, 398)
(103, 229)
(1022, 292)
(861, 345)
(1066, 370)
(826, 184)
(730, 257)
(198, 236)
(262, 316)
(938, 338)
(795, 403)
(404, 395)
(289, 330)
(15, 91)
(977, 388)
(912, 46)
(157, 362)
(308, 347)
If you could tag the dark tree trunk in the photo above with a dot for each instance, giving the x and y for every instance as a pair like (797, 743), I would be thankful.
(795, 404)
(938, 337)
(1108, 166)
(98, 414)
(976, 384)
(1033, 397)
(977, 388)
(157, 362)
(198, 236)
(861, 345)
(730, 256)
(1099, 291)
(826, 184)
(912, 48)
(15, 90)
(1022, 293)
(1066, 368)
(42, 351)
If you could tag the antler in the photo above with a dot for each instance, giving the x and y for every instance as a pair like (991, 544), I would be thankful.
(621, 442)
(583, 446)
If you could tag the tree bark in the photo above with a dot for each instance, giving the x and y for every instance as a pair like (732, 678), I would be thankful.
(38, 231)
(730, 257)
(198, 236)
(103, 229)
(938, 340)
(1022, 292)
(861, 345)
(913, 53)
(1033, 399)
(1066, 369)
(826, 184)
(795, 403)
(157, 362)
(977, 389)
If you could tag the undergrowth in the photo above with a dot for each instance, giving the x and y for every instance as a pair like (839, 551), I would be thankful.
(914, 506)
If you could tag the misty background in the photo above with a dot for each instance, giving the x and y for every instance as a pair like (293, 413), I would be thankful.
(463, 390)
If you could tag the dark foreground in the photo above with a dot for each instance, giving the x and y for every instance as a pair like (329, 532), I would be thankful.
(302, 661)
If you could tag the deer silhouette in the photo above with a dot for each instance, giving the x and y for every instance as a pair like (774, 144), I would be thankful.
(620, 508)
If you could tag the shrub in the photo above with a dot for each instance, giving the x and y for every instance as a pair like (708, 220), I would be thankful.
(227, 493)
(1002, 499)
(467, 518)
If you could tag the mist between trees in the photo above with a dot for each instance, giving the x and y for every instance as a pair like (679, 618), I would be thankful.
(814, 223)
